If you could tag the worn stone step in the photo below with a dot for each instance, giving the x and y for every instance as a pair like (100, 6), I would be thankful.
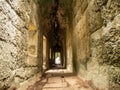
(57, 89)
(56, 85)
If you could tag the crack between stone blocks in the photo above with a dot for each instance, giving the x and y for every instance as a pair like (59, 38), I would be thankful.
(14, 25)
(5, 78)
(1, 39)
(19, 77)
(15, 10)
(96, 30)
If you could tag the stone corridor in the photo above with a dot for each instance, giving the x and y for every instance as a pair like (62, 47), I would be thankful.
(59, 44)
(60, 80)
(57, 83)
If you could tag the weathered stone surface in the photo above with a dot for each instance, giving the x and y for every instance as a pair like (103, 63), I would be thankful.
(97, 72)
(111, 51)
(25, 73)
(94, 18)
(111, 48)
(114, 78)
(69, 51)
(21, 7)
(97, 58)
(110, 10)
(6, 72)
(14, 18)
(79, 8)
(92, 42)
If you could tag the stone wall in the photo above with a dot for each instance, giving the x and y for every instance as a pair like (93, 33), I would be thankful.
(96, 37)
(93, 44)
(15, 16)
(80, 37)
(68, 48)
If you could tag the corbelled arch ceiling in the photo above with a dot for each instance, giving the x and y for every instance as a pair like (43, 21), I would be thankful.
(56, 16)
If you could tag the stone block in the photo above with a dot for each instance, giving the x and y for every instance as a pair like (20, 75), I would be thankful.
(110, 10)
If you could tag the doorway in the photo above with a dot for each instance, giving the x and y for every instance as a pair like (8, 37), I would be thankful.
(57, 58)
